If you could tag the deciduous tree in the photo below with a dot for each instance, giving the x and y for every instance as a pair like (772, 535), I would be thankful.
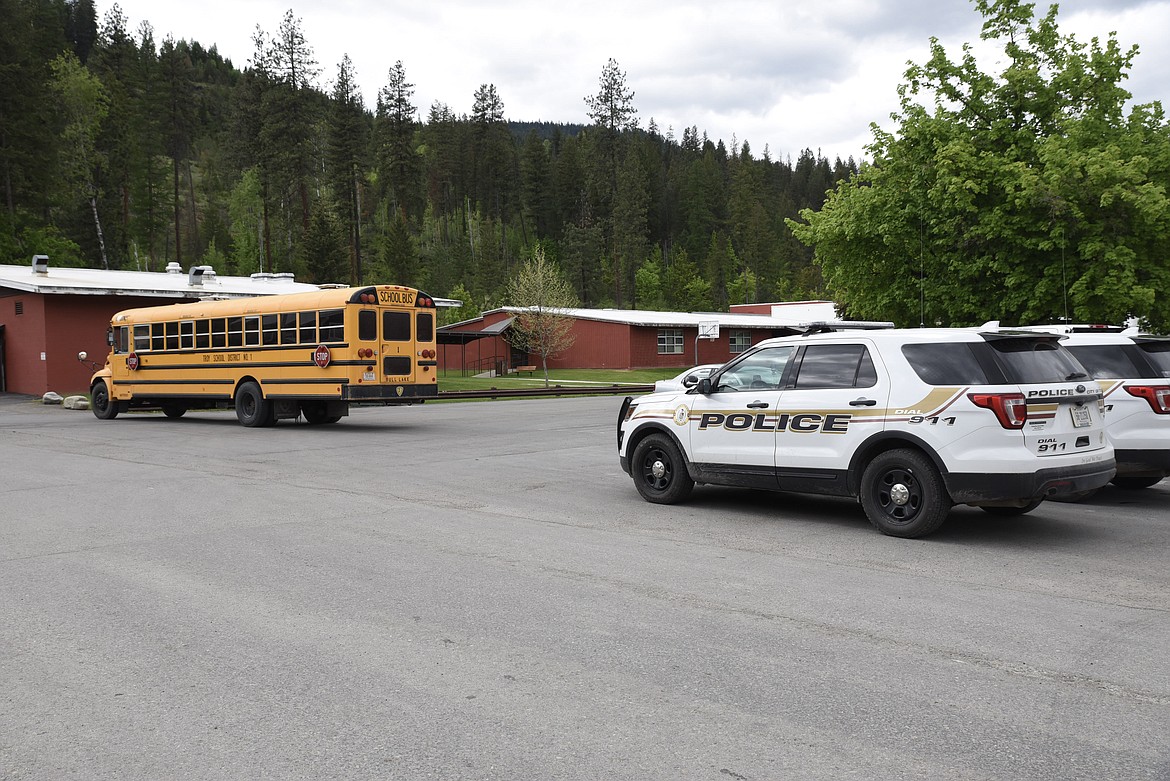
(1028, 195)
(542, 293)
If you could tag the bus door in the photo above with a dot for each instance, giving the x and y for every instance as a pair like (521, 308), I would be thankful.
(397, 350)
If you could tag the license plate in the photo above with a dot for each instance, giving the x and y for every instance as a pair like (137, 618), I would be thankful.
(370, 377)
(1081, 416)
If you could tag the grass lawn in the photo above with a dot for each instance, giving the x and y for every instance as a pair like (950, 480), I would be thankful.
(451, 381)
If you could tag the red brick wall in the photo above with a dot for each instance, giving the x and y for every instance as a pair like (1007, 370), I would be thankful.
(59, 326)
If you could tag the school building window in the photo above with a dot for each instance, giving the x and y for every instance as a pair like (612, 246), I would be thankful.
(670, 341)
(740, 341)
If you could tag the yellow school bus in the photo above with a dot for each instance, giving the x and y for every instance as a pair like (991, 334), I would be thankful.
(272, 357)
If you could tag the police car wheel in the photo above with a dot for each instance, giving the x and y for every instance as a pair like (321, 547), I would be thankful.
(1134, 483)
(660, 473)
(903, 494)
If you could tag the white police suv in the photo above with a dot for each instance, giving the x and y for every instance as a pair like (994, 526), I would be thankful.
(911, 422)
(1133, 371)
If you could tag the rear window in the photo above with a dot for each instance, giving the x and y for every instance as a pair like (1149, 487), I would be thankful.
(1107, 361)
(945, 364)
(1159, 354)
(1030, 361)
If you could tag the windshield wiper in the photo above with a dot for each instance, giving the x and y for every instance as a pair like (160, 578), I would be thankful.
(1076, 376)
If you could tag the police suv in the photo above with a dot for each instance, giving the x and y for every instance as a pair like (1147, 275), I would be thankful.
(1133, 371)
(911, 422)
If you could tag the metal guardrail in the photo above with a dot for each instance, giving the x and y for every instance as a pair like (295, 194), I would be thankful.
(556, 390)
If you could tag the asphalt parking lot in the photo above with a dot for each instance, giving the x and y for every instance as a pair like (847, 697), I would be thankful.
(476, 591)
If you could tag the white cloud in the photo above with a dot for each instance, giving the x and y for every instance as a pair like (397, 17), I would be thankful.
(784, 75)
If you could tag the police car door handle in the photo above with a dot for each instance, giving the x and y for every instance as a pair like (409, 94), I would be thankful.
(863, 403)
(758, 405)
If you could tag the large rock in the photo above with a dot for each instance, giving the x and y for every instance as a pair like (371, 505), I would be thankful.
(75, 402)
(51, 398)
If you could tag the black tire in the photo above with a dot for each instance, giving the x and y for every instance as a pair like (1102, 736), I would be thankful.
(173, 409)
(316, 414)
(1026, 508)
(252, 409)
(903, 494)
(659, 471)
(1131, 483)
(104, 408)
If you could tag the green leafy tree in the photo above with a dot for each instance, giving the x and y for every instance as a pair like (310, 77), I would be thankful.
(1024, 196)
(543, 293)
(84, 104)
(648, 283)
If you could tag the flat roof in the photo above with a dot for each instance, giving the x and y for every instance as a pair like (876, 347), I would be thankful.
(174, 283)
(648, 318)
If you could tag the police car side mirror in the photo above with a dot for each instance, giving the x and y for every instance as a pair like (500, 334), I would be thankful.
(705, 386)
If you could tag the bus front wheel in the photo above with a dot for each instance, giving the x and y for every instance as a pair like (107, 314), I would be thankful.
(252, 409)
(103, 406)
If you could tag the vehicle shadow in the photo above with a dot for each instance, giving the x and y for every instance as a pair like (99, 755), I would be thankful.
(211, 418)
(1051, 525)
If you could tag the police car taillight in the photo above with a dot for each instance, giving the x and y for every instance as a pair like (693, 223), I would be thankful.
(1157, 395)
(1011, 409)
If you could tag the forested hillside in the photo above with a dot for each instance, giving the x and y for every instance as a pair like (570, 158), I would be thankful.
(119, 151)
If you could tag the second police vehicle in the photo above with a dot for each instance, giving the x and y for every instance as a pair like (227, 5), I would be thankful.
(909, 421)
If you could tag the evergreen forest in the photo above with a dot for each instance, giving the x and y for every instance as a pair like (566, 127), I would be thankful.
(123, 152)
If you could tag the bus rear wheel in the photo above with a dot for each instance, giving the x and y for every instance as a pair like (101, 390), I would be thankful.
(252, 409)
(317, 413)
(100, 402)
(173, 410)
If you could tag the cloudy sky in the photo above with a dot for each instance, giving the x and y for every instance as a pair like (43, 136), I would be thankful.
(776, 73)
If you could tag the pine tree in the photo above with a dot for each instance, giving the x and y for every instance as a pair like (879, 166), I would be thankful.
(348, 140)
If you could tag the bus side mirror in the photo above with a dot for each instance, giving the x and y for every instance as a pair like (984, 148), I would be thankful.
(705, 386)
(81, 356)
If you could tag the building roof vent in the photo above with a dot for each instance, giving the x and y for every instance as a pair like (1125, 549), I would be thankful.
(40, 264)
(199, 274)
(261, 276)
(174, 268)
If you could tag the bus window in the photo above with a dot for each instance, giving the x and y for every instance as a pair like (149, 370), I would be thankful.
(202, 334)
(251, 331)
(141, 338)
(425, 326)
(368, 325)
(235, 331)
(308, 327)
(268, 331)
(396, 326)
(333, 325)
(219, 332)
(288, 327)
(172, 335)
(157, 340)
(187, 335)
(121, 339)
